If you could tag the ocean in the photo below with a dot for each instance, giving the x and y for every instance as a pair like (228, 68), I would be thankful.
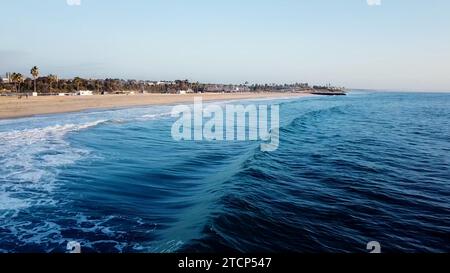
(370, 166)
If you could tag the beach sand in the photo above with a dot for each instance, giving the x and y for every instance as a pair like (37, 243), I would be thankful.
(12, 107)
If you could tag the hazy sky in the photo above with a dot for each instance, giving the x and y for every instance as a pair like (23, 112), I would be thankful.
(398, 44)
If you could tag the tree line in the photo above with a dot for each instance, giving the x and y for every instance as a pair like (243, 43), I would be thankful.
(52, 84)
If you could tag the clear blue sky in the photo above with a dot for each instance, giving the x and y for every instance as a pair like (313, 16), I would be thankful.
(400, 44)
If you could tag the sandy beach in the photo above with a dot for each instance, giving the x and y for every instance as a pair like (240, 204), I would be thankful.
(12, 107)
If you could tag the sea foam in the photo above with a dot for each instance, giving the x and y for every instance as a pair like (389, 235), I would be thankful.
(30, 159)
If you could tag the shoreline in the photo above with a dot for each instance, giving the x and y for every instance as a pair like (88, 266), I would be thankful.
(13, 108)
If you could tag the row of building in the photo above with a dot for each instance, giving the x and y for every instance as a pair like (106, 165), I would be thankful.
(120, 86)
(6, 78)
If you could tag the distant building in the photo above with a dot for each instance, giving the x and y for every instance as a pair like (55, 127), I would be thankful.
(184, 92)
(7, 78)
(165, 83)
(226, 88)
(85, 93)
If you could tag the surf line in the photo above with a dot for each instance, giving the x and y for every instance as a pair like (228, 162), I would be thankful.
(229, 123)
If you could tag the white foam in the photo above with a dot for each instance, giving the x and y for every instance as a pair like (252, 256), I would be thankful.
(32, 154)
(31, 157)
(155, 116)
(9, 203)
(38, 134)
(30, 160)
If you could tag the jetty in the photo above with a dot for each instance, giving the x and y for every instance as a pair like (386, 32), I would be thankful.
(328, 91)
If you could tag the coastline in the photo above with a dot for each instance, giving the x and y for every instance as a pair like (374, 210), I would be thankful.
(12, 107)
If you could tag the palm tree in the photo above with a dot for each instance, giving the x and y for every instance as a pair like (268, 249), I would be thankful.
(98, 84)
(35, 74)
(17, 79)
(51, 79)
(77, 81)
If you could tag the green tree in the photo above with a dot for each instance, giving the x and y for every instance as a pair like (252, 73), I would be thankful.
(35, 74)
(51, 79)
(17, 79)
(78, 81)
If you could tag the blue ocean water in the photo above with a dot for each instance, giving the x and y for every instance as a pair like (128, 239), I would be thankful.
(349, 170)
